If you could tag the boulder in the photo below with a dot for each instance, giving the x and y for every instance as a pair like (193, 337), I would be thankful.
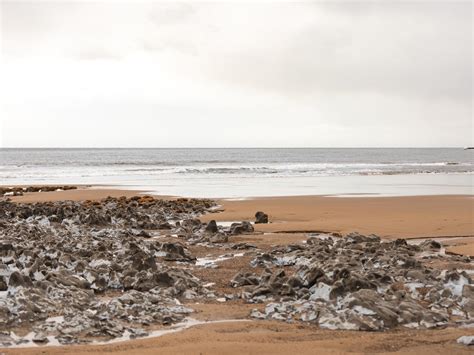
(212, 227)
(176, 252)
(40, 338)
(241, 228)
(261, 217)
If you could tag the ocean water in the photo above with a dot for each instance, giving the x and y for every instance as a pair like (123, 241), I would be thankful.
(248, 172)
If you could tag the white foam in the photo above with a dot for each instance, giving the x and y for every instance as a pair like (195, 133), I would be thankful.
(209, 262)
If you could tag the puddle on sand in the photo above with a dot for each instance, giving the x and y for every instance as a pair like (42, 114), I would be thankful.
(209, 261)
(227, 224)
(322, 236)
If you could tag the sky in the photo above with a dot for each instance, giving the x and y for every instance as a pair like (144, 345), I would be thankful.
(236, 74)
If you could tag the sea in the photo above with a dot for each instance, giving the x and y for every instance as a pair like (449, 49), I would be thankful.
(243, 173)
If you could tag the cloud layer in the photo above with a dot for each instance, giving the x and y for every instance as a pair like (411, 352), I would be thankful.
(255, 74)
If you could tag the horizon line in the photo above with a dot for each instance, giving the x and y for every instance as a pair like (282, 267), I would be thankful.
(380, 147)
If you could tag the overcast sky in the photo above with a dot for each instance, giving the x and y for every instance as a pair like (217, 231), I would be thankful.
(321, 74)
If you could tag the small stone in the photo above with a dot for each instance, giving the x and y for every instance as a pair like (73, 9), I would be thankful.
(241, 228)
(40, 338)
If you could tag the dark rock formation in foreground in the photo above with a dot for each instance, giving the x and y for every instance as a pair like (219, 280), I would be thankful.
(90, 269)
(359, 283)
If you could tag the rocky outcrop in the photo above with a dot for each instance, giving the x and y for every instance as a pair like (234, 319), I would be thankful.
(95, 265)
(261, 217)
(19, 191)
(359, 283)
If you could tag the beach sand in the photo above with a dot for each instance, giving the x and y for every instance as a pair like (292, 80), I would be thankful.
(391, 217)
(292, 217)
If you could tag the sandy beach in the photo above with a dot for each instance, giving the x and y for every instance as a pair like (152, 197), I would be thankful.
(235, 177)
(448, 218)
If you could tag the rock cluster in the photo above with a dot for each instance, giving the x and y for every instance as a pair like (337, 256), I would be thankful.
(358, 282)
(194, 231)
(94, 266)
(19, 191)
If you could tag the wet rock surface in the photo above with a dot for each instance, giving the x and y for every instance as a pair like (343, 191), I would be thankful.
(359, 283)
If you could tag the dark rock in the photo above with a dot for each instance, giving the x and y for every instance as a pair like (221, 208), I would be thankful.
(176, 252)
(3, 284)
(40, 338)
(261, 217)
(241, 228)
(17, 280)
(212, 227)
(430, 245)
(243, 246)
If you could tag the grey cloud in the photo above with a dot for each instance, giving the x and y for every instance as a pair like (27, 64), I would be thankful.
(406, 54)
(365, 68)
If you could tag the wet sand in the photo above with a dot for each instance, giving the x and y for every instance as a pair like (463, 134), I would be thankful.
(389, 217)
(292, 217)
(266, 337)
